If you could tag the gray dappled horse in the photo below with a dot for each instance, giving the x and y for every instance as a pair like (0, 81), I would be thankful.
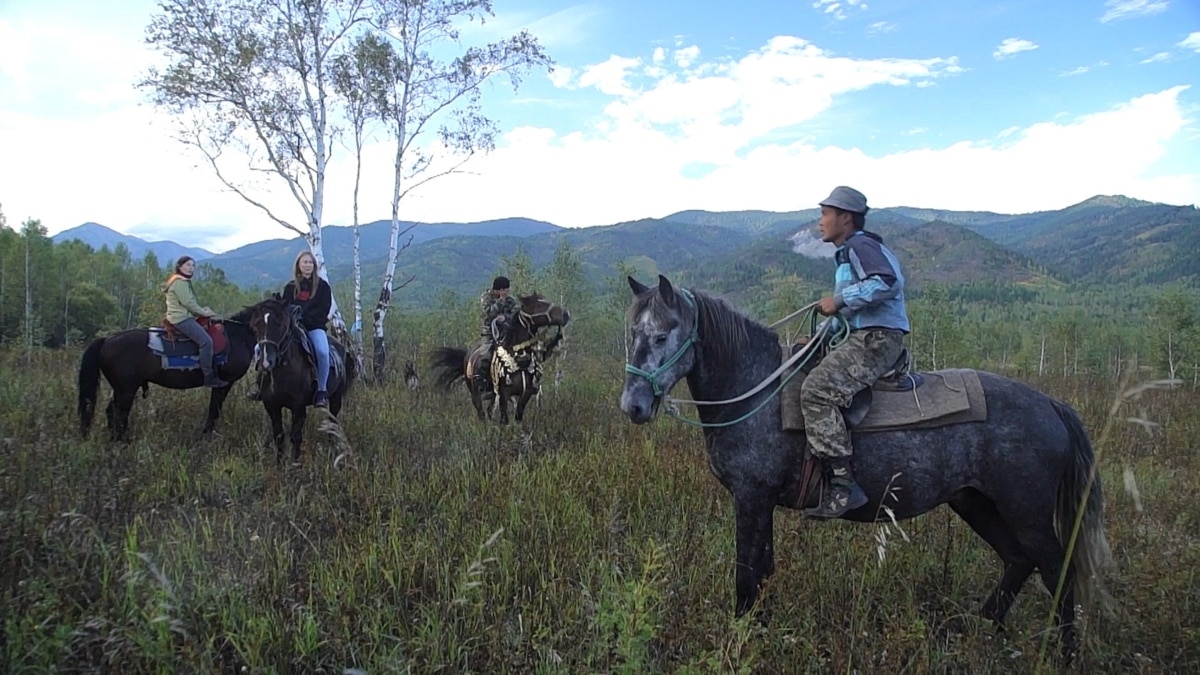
(526, 348)
(1017, 479)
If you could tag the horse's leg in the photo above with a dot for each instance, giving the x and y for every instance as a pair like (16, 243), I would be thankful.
(110, 416)
(980, 513)
(275, 413)
(121, 405)
(476, 400)
(1050, 555)
(215, 402)
(1039, 541)
(755, 549)
(528, 389)
(502, 402)
(298, 416)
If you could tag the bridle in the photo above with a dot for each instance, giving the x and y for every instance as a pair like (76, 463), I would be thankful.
(285, 338)
(550, 307)
(690, 342)
(528, 320)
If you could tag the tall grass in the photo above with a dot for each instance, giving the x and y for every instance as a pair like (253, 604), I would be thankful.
(574, 543)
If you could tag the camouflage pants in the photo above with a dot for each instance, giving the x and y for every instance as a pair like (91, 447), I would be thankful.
(856, 364)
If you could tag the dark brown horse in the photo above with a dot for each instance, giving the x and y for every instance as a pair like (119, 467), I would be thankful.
(128, 364)
(516, 364)
(288, 377)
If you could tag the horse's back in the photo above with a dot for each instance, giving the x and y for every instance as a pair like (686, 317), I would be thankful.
(1022, 441)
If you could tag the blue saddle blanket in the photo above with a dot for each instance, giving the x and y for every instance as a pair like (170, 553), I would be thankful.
(178, 354)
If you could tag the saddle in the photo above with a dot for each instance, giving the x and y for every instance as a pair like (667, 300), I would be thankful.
(177, 344)
(904, 399)
(178, 351)
(503, 365)
(337, 366)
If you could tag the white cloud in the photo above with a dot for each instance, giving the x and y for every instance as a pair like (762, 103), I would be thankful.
(568, 26)
(750, 119)
(1192, 42)
(1123, 9)
(1012, 46)
(609, 77)
(837, 8)
(637, 170)
(1079, 70)
(880, 27)
(1157, 58)
(685, 57)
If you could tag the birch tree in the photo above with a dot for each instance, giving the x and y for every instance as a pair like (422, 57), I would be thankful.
(432, 109)
(248, 81)
(358, 77)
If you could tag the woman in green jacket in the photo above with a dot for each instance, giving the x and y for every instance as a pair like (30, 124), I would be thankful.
(182, 310)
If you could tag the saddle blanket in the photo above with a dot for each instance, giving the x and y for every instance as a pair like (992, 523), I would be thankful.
(945, 397)
(178, 354)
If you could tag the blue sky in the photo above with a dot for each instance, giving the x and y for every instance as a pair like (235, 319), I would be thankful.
(656, 107)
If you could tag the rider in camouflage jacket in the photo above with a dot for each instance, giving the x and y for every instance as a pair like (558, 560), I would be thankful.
(493, 303)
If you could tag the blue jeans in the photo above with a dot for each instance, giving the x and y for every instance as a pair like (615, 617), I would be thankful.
(197, 334)
(320, 343)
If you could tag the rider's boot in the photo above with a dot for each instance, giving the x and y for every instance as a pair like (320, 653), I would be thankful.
(321, 399)
(213, 382)
(844, 494)
(483, 376)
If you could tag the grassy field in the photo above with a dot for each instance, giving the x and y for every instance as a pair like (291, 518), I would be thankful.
(576, 543)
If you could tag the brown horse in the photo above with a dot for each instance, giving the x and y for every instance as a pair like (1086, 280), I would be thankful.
(516, 364)
(288, 377)
(128, 364)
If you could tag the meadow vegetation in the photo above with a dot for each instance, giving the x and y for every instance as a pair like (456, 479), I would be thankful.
(577, 542)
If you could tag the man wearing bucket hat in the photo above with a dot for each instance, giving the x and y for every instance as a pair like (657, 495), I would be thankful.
(869, 297)
(495, 305)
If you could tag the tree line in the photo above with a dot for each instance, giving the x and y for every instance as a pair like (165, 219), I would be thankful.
(61, 294)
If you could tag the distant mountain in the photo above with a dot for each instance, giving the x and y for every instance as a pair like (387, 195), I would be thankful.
(1105, 239)
(463, 265)
(98, 236)
(268, 263)
(948, 254)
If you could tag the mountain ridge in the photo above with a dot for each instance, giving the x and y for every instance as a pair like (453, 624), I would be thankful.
(1104, 238)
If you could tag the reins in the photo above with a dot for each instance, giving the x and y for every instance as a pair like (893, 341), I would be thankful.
(798, 359)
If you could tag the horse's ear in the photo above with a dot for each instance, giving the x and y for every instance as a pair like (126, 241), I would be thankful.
(637, 286)
(666, 290)
(276, 296)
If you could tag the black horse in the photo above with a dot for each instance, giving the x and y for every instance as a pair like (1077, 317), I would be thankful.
(128, 364)
(516, 365)
(288, 377)
(1020, 479)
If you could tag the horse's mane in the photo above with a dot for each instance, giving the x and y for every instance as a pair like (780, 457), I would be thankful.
(724, 332)
(244, 314)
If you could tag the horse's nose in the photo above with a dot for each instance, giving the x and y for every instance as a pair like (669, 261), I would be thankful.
(636, 411)
(566, 316)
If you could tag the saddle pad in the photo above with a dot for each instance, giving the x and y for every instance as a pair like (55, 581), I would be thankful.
(178, 355)
(946, 397)
(158, 344)
(171, 349)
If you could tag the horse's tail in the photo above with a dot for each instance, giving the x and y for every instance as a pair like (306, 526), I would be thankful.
(89, 384)
(449, 365)
(1081, 489)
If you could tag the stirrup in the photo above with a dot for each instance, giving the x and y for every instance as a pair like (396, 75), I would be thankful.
(842, 498)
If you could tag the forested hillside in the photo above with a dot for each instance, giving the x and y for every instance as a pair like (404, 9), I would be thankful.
(1079, 287)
